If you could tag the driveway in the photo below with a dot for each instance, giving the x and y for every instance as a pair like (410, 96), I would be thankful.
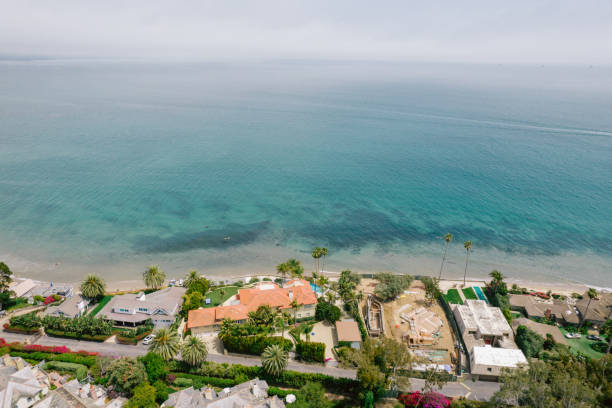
(325, 333)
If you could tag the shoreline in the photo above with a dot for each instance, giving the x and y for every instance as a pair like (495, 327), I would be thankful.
(564, 288)
(261, 260)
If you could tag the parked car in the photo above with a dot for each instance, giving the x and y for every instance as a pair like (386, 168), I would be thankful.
(148, 340)
(594, 337)
(573, 335)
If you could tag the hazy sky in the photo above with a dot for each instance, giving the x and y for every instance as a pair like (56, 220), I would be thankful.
(521, 31)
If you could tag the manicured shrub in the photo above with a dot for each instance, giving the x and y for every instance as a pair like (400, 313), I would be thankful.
(254, 344)
(26, 321)
(183, 382)
(280, 393)
(200, 381)
(311, 351)
(155, 366)
(530, 342)
(78, 370)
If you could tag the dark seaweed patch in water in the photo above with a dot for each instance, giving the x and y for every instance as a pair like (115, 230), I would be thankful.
(239, 234)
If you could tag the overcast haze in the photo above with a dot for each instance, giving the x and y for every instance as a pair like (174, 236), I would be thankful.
(574, 32)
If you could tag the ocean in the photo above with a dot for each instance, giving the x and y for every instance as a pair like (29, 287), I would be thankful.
(109, 166)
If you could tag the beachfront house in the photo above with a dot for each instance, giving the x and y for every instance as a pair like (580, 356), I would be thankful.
(488, 338)
(348, 333)
(72, 307)
(552, 309)
(248, 300)
(131, 309)
(599, 310)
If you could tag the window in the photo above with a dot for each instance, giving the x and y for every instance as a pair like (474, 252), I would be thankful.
(299, 315)
(124, 310)
(489, 369)
(142, 309)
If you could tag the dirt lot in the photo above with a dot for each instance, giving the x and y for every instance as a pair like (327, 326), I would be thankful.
(396, 327)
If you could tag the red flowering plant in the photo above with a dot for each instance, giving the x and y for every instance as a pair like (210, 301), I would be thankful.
(49, 299)
(427, 400)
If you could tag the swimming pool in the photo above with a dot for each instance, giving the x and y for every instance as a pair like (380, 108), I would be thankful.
(479, 293)
(316, 288)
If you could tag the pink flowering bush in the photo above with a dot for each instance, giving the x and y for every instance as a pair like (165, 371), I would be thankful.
(427, 400)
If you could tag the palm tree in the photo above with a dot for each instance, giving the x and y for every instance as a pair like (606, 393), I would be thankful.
(316, 254)
(592, 294)
(165, 343)
(448, 238)
(93, 287)
(193, 351)
(331, 297)
(294, 305)
(324, 254)
(306, 329)
(154, 277)
(468, 247)
(274, 360)
(282, 269)
(295, 268)
(191, 277)
(280, 324)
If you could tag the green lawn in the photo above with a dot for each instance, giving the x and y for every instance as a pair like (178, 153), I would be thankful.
(220, 295)
(582, 345)
(469, 293)
(100, 305)
(453, 297)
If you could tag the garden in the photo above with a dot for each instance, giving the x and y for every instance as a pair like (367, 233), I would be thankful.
(220, 295)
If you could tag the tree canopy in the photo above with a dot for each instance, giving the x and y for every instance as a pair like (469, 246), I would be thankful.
(391, 285)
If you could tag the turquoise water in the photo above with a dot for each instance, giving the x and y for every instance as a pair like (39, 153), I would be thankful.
(316, 288)
(479, 293)
(110, 166)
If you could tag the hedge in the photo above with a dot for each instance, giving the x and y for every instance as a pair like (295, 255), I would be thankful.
(66, 358)
(20, 329)
(67, 335)
(200, 381)
(311, 351)
(280, 393)
(79, 370)
(254, 344)
(288, 379)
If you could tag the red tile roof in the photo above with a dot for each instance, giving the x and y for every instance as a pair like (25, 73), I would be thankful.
(264, 293)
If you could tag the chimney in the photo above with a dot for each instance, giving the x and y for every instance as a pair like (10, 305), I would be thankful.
(290, 294)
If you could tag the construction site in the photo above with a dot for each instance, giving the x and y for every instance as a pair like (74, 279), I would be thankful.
(409, 318)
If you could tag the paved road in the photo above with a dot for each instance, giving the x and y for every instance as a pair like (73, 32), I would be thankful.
(480, 390)
(112, 349)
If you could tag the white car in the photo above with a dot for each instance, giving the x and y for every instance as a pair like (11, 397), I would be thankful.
(148, 340)
(573, 335)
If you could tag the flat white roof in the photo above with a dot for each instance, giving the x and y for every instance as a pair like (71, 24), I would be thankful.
(488, 320)
(500, 357)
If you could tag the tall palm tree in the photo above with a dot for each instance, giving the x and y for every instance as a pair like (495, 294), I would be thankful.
(316, 254)
(93, 287)
(191, 277)
(447, 238)
(165, 343)
(324, 254)
(592, 294)
(283, 270)
(295, 306)
(274, 360)
(468, 247)
(330, 296)
(154, 277)
(193, 351)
